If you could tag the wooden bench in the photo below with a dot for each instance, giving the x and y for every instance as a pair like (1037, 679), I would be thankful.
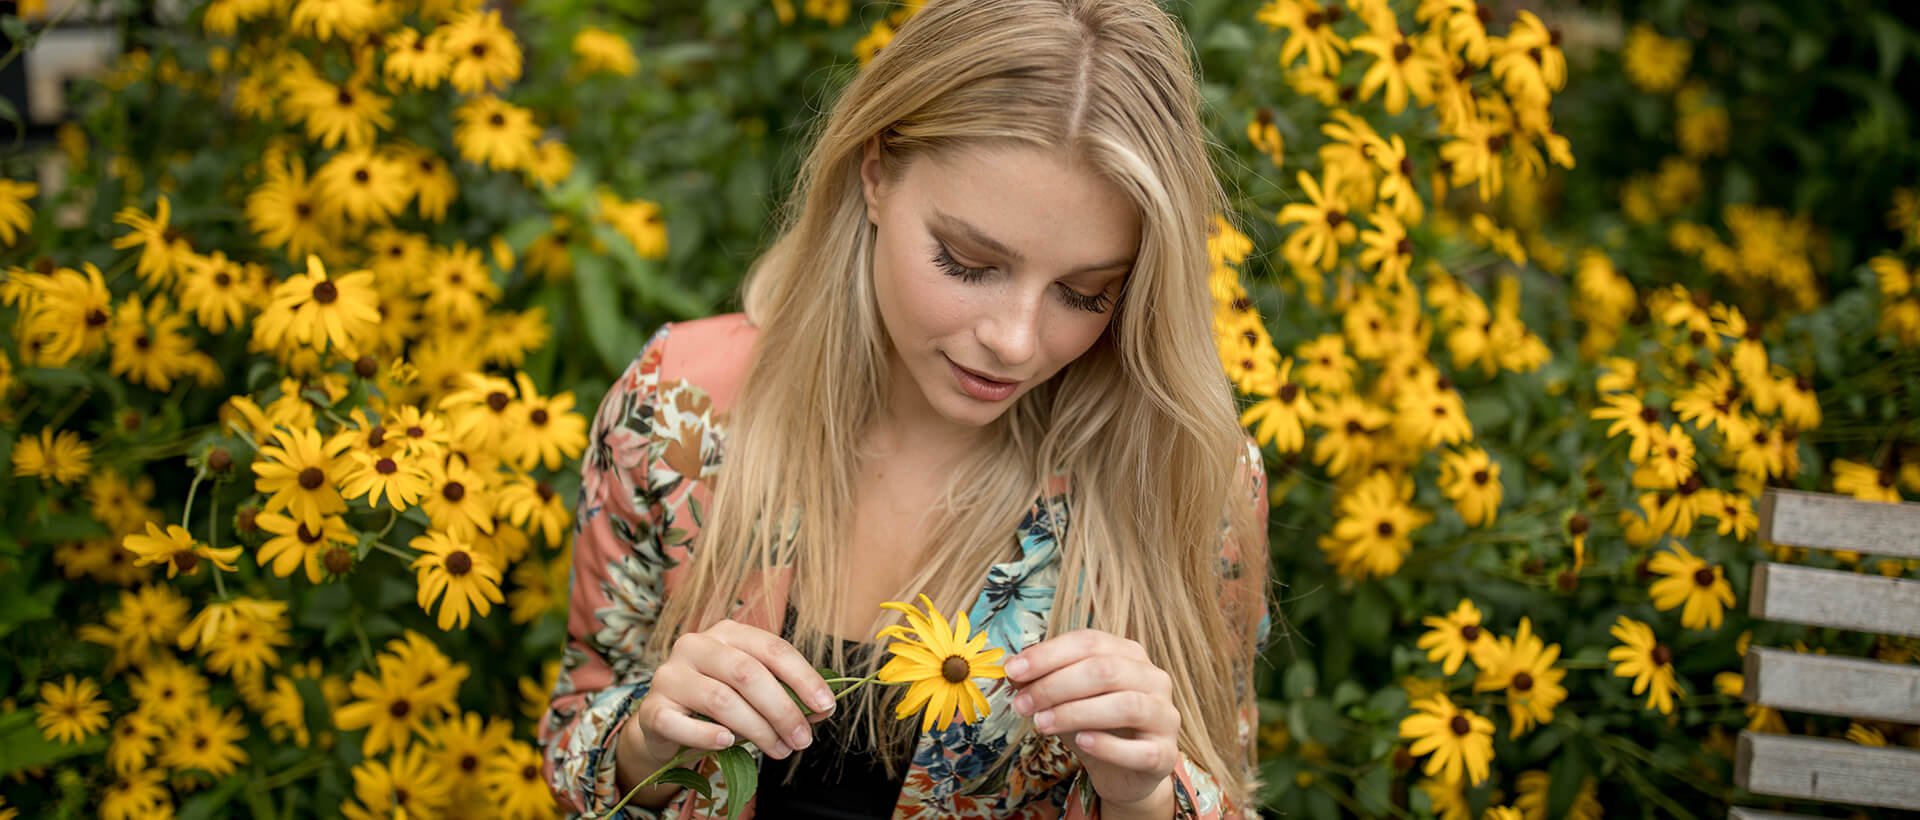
(1810, 768)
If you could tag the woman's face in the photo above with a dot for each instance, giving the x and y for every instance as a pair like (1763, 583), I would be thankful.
(993, 268)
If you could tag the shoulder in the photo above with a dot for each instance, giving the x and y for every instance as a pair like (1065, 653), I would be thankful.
(711, 354)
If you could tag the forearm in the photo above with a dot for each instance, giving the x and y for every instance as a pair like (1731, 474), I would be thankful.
(632, 765)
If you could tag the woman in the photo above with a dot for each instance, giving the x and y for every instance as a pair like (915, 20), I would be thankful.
(976, 361)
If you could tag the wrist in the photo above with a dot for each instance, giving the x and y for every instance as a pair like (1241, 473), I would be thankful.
(1156, 806)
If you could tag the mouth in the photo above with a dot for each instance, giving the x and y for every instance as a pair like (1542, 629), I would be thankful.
(980, 386)
(982, 376)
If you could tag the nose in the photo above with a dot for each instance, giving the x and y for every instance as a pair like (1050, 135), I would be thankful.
(1011, 329)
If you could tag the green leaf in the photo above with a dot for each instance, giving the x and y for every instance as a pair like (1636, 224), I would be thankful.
(313, 706)
(211, 804)
(18, 608)
(741, 775)
(22, 746)
(65, 527)
(682, 776)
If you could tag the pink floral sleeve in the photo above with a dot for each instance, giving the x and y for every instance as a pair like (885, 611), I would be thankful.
(1243, 568)
(617, 588)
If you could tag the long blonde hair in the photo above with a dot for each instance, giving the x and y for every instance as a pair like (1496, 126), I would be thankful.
(1147, 430)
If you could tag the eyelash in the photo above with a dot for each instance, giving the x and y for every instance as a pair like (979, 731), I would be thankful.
(1097, 303)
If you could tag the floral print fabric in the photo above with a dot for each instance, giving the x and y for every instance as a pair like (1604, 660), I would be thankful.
(655, 443)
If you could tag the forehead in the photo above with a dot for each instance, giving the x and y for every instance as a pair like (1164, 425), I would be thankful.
(1042, 206)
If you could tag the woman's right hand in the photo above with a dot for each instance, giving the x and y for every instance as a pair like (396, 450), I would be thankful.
(730, 673)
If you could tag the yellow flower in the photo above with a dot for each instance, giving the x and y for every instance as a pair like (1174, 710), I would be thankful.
(71, 711)
(598, 50)
(139, 793)
(546, 431)
(1669, 458)
(145, 618)
(1690, 581)
(1310, 33)
(940, 663)
(1450, 639)
(389, 707)
(1865, 735)
(176, 548)
(484, 52)
(1460, 740)
(461, 578)
(348, 114)
(1279, 418)
(1850, 477)
(639, 221)
(1471, 479)
(1502, 813)
(514, 783)
(397, 476)
(416, 59)
(1650, 663)
(1654, 63)
(328, 18)
(1523, 665)
(408, 784)
(163, 250)
(62, 458)
(301, 473)
(364, 185)
(495, 133)
(285, 211)
(319, 311)
(1265, 136)
(1404, 66)
(1324, 225)
(16, 216)
(1374, 531)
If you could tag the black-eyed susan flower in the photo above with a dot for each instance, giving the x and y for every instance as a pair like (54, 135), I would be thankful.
(513, 780)
(497, 134)
(464, 744)
(1452, 638)
(460, 499)
(348, 114)
(71, 711)
(399, 478)
(1699, 589)
(364, 185)
(177, 549)
(300, 473)
(1471, 480)
(251, 644)
(1459, 740)
(217, 292)
(145, 618)
(16, 216)
(167, 690)
(1280, 418)
(1403, 66)
(552, 163)
(208, 740)
(1669, 458)
(416, 59)
(327, 19)
(408, 784)
(388, 707)
(163, 249)
(1642, 657)
(151, 347)
(1850, 477)
(139, 793)
(62, 457)
(287, 211)
(1523, 666)
(1760, 717)
(434, 185)
(1324, 225)
(484, 52)
(314, 309)
(598, 51)
(1374, 531)
(535, 505)
(939, 663)
(1310, 34)
(638, 220)
(133, 743)
(461, 578)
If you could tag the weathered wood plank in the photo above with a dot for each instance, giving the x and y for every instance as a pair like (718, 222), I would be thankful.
(1848, 687)
(1739, 813)
(1837, 522)
(1813, 768)
(1843, 600)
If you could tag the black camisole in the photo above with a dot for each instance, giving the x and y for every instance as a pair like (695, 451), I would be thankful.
(830, 784)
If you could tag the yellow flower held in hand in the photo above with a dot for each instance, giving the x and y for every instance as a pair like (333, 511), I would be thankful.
(940, 664)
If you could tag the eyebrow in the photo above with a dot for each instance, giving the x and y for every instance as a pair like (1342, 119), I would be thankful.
(979, 237)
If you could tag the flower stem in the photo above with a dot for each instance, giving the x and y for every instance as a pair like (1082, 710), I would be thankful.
(186, 517)
(647, 781)
(393, 551)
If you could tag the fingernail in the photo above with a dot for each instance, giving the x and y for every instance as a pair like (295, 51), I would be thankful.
(725, 738)
(780, 751)
(1022, 703)
(821, 700)
(1044, 720)
(1016, 667)
(801, 738)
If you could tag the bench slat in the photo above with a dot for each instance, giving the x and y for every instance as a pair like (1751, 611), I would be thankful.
(1810, 768)
(1837, 522)
(1831, 598)
(1739, 813)
(1847, 687)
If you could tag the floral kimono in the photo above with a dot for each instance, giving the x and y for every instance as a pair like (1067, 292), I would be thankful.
(656, 443)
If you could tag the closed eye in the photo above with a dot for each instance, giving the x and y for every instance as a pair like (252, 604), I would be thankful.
(1094, 303)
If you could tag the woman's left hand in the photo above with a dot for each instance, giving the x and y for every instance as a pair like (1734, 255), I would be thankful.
(1115, 708)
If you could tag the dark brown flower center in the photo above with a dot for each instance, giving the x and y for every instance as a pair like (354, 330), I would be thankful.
(1661, 655)
(954, 669)
(186, 561)
(459, 563)
(1480, 476)
(399, 709)
(311, 478)
(1459, 725)
(325, 293)
(454, 491)
(1705, 576)
(497, 400)
(1470, 632)
(1522, 682)
(386, 466)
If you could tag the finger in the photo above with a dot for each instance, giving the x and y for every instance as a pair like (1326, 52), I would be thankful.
(700, 690)
(1147, 756)
(1088, 677)
(749, 677)
(787, 664)
(1127, 713)
(674, 725)
(1038, 660)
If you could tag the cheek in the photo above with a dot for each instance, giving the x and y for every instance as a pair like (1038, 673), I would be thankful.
(919, 300)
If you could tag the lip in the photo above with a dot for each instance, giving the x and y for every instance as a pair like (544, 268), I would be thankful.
(982, 376)
(981, 388)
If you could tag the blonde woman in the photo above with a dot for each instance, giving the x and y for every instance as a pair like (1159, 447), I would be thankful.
(976, 364)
